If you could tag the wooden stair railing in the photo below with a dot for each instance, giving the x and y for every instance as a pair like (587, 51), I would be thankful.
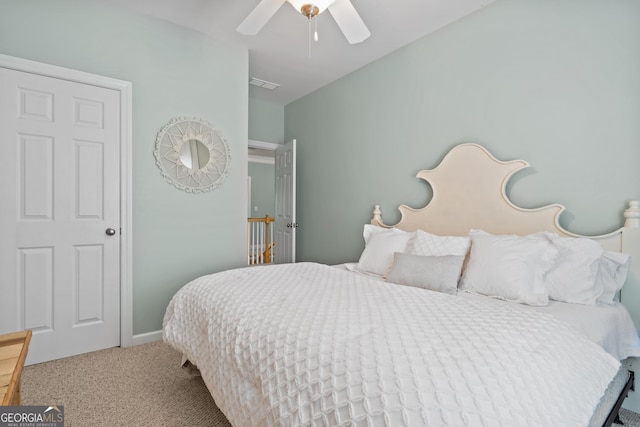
(260, 240)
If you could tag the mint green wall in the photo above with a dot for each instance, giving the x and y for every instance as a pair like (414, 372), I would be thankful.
(175, 72)
(266, 121)
(262, 189)
(554, 83)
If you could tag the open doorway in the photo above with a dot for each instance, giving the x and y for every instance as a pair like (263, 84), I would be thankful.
(272, 188)
(260, 202)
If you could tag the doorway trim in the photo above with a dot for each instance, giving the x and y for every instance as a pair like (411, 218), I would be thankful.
(126, 150)
(261, 145)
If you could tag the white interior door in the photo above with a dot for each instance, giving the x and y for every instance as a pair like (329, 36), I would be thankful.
(285, 223)
(60, 214)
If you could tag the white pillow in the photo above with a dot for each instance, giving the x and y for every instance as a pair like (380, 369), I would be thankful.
(379, 246)
(613, 268)
(427, 244)
(436, 273)
(509, 267)
(573, 277)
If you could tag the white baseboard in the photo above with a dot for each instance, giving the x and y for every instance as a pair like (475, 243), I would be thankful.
(147, 337)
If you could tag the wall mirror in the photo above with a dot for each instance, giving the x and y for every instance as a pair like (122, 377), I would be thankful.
(192, 154)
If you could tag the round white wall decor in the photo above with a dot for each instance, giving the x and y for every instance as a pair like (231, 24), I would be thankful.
(192, 154)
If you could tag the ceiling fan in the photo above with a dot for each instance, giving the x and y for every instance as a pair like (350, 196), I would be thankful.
(342, 11)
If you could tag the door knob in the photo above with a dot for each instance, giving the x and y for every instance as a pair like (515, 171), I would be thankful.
(110, 231)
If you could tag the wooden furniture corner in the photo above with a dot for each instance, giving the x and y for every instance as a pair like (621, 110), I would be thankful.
(13, 352)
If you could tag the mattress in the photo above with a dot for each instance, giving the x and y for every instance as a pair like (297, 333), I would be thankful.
(307, 344)
(608, 400)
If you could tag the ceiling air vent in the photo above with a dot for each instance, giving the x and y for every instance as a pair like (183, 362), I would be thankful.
(263, 83)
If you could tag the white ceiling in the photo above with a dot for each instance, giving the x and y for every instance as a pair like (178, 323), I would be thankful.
(279, 52)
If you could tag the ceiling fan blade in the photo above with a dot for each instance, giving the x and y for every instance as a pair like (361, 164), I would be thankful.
(349, 21)
(259, 16)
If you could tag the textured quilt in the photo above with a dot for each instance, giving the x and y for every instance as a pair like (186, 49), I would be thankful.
(308, 344)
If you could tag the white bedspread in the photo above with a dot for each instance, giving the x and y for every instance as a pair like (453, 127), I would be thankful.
(308, 344)
(609, 326)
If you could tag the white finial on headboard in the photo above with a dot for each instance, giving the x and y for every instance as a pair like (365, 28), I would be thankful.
(632, 214)
(377, 216)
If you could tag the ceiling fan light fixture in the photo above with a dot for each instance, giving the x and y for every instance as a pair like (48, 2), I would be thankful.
(311, 8)
(342, 11)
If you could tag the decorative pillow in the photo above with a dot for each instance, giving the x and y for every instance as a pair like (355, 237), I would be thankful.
(423, 243)
(436, 273)
(509, 267)
(573, 277)
(379, 246)
(613, 268)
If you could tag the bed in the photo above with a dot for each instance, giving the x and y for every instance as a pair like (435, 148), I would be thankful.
(469, 312)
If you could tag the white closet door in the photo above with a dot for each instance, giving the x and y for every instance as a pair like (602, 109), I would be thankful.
(59, 217)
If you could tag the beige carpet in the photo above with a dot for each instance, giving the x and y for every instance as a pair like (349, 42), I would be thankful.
(135, 386)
